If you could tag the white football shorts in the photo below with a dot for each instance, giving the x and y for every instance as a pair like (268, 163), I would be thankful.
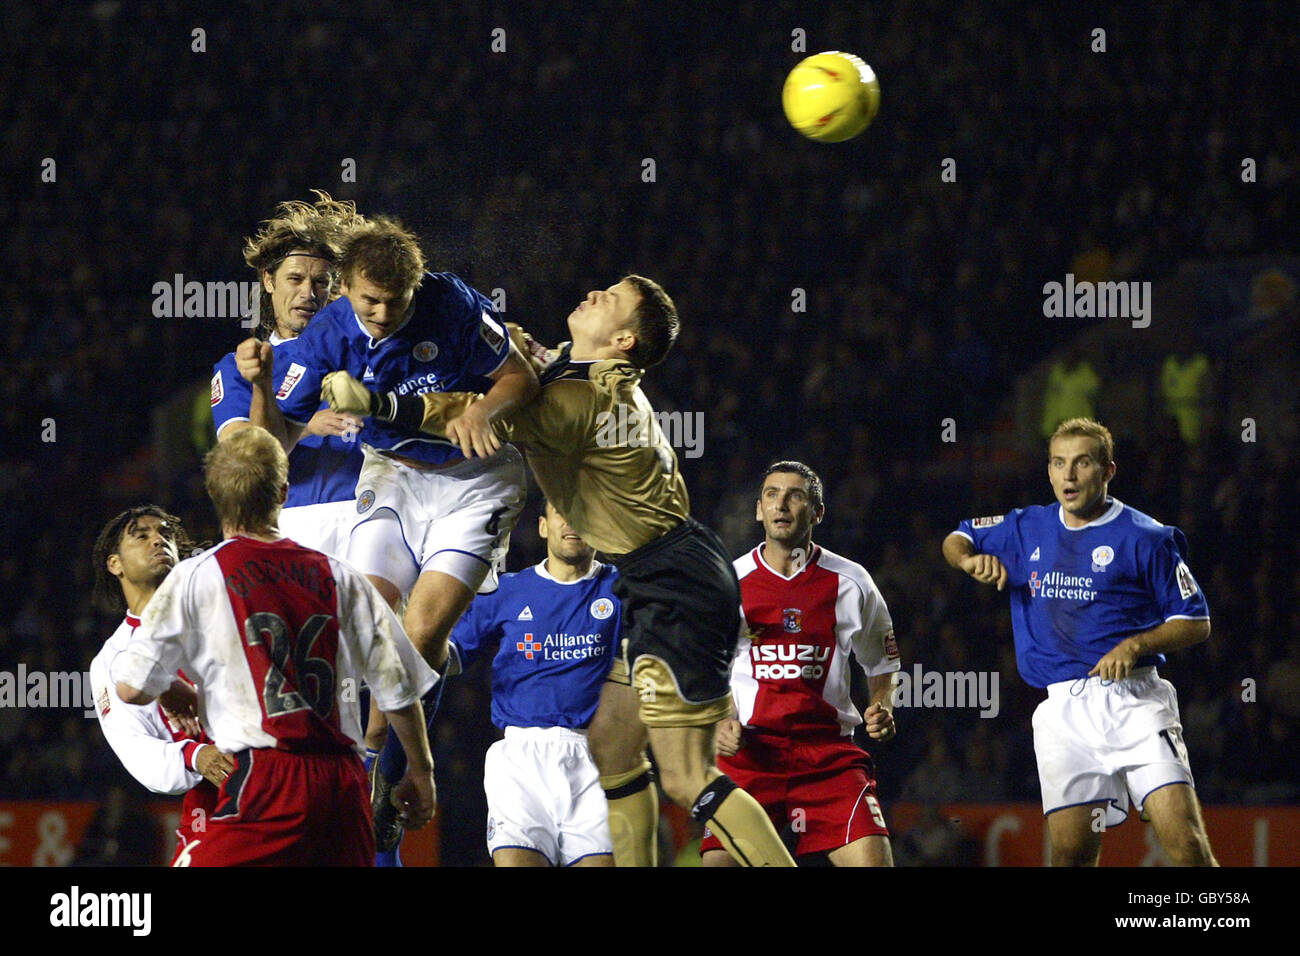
(324, 526)
(456, 520)
(1109, 740)
(543, 794)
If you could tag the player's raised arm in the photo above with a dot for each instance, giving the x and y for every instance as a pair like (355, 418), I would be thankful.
(255, 360)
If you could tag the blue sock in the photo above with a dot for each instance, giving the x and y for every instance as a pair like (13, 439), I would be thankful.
(391, 858)
(430, 703)
(370, 759)
(392, 758)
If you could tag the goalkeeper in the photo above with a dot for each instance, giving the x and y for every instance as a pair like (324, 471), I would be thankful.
(621, 490)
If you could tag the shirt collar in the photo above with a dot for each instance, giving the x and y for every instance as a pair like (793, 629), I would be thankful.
(1107, 516)
(591, 573)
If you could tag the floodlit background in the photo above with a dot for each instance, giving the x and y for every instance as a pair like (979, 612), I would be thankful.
(848, 305)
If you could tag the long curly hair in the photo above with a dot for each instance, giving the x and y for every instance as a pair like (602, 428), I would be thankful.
(108, 590)
(318, 228)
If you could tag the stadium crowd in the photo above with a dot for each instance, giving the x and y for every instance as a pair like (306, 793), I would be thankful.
(838, 303)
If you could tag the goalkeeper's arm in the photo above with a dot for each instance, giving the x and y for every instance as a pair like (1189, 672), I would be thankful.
(428, 413)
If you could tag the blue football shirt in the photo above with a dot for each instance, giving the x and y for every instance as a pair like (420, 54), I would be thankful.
(1077, 592)
(452, 342)
(556, 640)
(321, 467)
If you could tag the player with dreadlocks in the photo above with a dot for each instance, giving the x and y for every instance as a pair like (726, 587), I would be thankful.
(295, 254)
(166, 751)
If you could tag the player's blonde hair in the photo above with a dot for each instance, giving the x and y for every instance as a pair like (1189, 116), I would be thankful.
(316, 228)
(386, 253)
(1087, 428)
(246, 476)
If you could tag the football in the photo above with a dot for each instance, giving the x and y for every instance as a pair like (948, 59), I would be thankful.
(831, 97)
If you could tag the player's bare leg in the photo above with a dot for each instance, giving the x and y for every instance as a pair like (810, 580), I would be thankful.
(437, 601)
(1175, 813)
(617, 739)
(717, 858)
(868, 851)
(387, 588)
(1074, 839)
(690, 777)
(518, 856)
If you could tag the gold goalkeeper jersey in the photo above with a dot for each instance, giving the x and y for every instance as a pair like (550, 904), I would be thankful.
(596, 448)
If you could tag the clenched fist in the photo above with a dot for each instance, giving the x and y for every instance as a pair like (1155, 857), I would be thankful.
(345, 394)
(731, 736)
(986, 569)
(255, 360)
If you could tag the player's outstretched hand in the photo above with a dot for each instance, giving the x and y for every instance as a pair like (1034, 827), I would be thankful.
(255, 360)
(1118, 662)
(416, 799)
(329, 422)
(880, 722)
(471, 430)
(730, 736)
(345, 394)
(986, 569)
(213, 764)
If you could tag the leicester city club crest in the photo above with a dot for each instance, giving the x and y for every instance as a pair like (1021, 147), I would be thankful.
(1102, 556)
(601, 608)
(792, 620)
(364, 501)
(425, 351)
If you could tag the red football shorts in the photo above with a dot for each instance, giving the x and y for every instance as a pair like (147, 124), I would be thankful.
(286, 809)
(823, 789)
(196, 809)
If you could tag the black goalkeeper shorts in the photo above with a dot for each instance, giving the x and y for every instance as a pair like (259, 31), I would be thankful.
(681, 604)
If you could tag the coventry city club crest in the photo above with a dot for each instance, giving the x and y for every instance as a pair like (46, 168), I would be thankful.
(792, 620)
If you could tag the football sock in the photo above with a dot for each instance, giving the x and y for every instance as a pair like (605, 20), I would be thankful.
(633, 816)
(392, 758)
(741, 824)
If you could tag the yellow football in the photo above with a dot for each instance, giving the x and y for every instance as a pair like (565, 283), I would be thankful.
(831, 97)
